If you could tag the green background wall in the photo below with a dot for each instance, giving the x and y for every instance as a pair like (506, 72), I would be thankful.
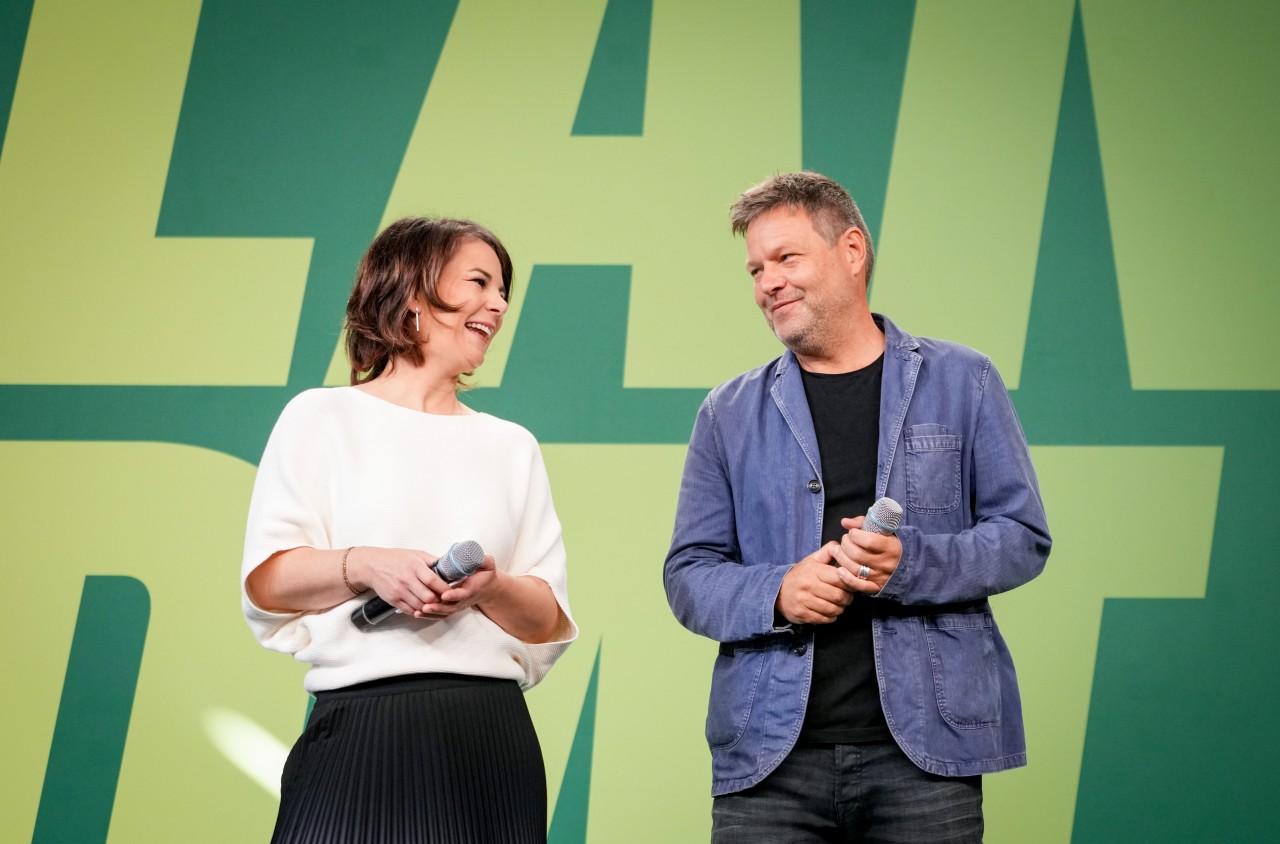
(1086, 191)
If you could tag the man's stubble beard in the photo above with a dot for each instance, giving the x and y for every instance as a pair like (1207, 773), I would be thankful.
(808, 340)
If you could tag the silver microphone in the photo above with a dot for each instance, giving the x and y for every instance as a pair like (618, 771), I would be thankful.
(460, 560)
(883, 517)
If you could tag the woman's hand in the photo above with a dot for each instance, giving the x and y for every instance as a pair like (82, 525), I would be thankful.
(478, 586)
(304, 579)
(522, 606)
(403, 578)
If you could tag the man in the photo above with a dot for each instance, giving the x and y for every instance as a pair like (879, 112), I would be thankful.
(862, 687)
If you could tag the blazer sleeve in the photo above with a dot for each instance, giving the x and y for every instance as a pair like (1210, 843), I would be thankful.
(1009, 540)
(709, 589)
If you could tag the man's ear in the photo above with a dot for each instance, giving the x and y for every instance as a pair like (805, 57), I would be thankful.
(853, 247)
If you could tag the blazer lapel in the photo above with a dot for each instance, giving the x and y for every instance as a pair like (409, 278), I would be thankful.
(901, 366)
(788, 394)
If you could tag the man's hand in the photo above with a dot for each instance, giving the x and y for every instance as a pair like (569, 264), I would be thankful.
(813, 591)
(879, 554)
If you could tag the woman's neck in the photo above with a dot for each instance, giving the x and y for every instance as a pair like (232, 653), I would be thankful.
(416, 388)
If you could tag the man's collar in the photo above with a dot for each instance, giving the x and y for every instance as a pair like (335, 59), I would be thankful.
(894, 336)
(895, 339)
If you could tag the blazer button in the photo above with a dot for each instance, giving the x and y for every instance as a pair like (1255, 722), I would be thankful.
(799, 648)
(814, 486)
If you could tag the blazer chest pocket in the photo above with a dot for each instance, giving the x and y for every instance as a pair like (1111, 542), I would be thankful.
(933, 469)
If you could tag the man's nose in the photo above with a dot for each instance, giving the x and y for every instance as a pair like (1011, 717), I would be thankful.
(770, 281)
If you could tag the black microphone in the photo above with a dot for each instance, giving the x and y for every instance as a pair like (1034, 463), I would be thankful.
(883, 517)
(460, 560)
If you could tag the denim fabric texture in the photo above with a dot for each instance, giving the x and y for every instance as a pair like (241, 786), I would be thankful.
(952, 452)
(868, 793)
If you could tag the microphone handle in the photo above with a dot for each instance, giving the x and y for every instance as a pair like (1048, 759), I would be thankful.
(371, 612)
(453, 570)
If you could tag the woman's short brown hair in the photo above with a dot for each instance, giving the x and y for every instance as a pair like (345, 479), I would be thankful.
(404, 260)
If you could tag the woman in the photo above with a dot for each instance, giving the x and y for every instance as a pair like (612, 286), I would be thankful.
(419, 731)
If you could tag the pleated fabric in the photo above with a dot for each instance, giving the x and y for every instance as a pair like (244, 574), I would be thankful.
(439, 758)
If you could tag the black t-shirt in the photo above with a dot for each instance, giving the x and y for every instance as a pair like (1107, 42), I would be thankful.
(844, 699)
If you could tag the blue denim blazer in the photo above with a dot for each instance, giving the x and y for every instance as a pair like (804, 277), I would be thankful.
(952, 453)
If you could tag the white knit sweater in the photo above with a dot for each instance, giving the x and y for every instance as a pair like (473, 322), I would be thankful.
(343, 468)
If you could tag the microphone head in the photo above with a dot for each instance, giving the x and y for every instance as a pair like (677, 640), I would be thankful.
(460, 560)
(883, 517)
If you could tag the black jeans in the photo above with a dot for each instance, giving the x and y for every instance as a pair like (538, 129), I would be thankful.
(848, 793)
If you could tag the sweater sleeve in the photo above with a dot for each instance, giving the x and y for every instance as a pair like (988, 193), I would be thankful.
(539, 552)
(290, 508)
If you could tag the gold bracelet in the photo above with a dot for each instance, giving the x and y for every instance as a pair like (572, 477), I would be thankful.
(354, 591)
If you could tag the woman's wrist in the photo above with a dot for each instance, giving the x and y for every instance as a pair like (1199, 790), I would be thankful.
(346, 573)
(498, 592)
(350, 574)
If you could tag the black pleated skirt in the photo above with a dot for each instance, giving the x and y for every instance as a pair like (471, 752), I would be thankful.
(424, 758)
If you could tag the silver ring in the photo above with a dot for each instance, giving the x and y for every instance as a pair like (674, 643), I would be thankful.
(863, 572)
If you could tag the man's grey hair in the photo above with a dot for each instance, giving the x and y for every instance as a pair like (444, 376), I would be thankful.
(830, 207)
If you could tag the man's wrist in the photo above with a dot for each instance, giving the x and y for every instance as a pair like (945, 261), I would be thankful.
(780, 622)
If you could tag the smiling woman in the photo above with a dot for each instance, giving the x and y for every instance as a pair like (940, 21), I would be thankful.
(416, 264)
(419, 726)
